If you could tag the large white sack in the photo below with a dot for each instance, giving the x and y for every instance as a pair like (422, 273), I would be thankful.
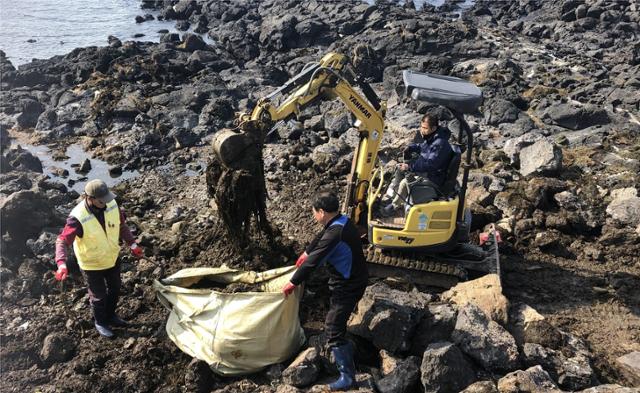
(235, 333)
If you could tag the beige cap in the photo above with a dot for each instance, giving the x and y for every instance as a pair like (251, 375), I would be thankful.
(98, 189)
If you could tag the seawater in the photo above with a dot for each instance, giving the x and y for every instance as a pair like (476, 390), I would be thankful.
(59, 26)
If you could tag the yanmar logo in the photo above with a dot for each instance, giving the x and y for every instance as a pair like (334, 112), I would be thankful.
(359, 106)
(406, 239)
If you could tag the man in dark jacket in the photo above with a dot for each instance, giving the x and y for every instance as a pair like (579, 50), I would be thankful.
(340, 248)
(434, 155)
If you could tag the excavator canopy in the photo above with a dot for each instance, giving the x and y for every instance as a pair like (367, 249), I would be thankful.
(450, 92)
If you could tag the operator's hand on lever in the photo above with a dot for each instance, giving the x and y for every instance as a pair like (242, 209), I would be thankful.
(288, 289)
(301, 259)
(403, 166)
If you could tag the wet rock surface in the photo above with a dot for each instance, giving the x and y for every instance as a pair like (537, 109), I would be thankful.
(444, 369)
(485, 340)
(556, 168)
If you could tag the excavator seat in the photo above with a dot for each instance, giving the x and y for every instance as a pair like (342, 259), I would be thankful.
(424, 190)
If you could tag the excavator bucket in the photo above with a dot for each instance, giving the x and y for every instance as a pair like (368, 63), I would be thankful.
(229, 146)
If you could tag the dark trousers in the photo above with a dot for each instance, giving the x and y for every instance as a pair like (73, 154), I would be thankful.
(342, 303)
(104, 291)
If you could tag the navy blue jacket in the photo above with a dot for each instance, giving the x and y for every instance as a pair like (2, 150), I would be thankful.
(339, 246)
(435, 155)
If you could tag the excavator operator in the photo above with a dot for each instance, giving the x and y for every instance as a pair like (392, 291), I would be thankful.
(434, 154)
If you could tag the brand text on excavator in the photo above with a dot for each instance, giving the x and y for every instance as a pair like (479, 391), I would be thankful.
(360, 106)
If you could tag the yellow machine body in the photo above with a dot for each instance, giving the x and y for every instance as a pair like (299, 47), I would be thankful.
(425, 225)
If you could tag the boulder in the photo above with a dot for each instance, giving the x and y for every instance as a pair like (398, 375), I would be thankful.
(327, 155)
(543, 157)
(629, 365)
(478, 194)
(291, 130)
(625, 206)
(185, 8)
(581, 11)
(485, 292)
(44, 245)
(570, 373)
(485, 340)
(527, 325)
(444, 369)
(30, 111)
(500, 111)
(481, 387)
(129, 106)
(304, 370)
(114, 42)
(57, 348)
(576, 118)
(522, 126)
(170, 37)
(14, 182)
(314, 123)
(531, 380)
(47, 121)
(22, 160)
(278, 32)
(115, 171)
(24, 214)
(338, 124)
(513, 146)
(388, 317)
(403, 379)
(85, 167)
(436, 325)
(192, 42)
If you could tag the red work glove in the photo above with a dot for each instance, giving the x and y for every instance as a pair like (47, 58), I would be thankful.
(484, 237)
(288, 289)
(62, 272)
(136, 251)
(301, 259)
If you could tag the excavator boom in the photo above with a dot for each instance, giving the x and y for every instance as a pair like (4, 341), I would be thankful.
(330, 78)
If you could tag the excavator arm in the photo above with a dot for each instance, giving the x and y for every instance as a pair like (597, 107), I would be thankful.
(331, 78)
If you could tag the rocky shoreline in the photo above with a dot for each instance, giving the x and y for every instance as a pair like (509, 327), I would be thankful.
(557, 168)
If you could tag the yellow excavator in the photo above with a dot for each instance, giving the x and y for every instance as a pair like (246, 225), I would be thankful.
(429, 243)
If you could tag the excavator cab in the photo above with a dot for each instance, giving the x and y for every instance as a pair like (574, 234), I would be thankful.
(432, 228)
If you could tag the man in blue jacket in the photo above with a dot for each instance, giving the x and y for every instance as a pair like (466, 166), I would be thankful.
(338, 247)
(434, 155)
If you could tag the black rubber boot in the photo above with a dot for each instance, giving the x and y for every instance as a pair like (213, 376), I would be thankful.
(344, 360)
